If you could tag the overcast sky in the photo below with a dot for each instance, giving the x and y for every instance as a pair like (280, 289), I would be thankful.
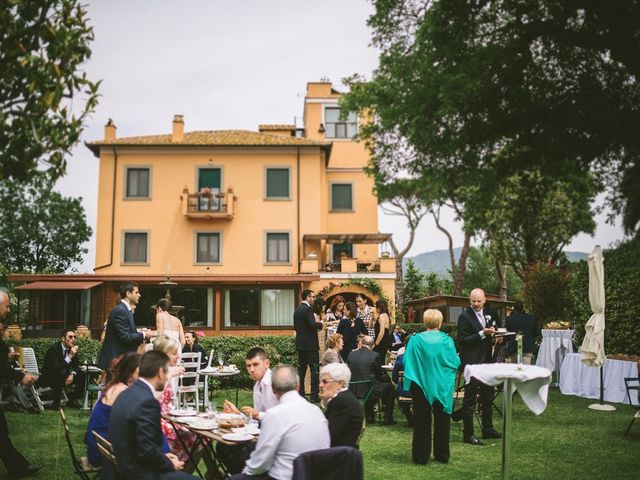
(228, 65)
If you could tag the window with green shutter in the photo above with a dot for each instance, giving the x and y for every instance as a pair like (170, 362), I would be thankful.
(341, 197)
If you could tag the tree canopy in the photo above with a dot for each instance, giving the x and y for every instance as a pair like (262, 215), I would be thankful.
(45, 97)
(41, 231)
(488, 89)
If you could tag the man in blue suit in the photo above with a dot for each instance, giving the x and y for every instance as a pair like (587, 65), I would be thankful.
(121, 334)
(134, 426)
(307, 344)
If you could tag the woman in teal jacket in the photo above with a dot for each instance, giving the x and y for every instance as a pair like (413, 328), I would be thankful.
(430, 364)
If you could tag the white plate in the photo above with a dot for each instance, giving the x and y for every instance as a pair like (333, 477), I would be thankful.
(209, 370)
(182, 413)
(237, 437)
(203, 424)
(247, 430)
(229, 416)
(187, 419)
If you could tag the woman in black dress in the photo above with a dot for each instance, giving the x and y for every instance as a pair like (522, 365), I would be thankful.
(381, 328)
(350, 327)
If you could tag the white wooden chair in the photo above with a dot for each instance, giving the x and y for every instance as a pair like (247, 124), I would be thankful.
(191, 364)
(31, 366)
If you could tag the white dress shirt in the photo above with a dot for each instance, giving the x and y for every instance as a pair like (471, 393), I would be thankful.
(263, 396)
(292, 427)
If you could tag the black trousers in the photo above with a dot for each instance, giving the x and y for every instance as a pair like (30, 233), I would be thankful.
(58, 384)
(311, 359)
(13, 461)
(471, 391)
(386, 392)
(423, 412)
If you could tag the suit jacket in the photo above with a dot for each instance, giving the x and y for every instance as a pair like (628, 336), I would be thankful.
(473, 348)
(134, 431)
(345, 417)
(526, 324)
(7, 372)
(306, 328)
(121, 336)
(55, 370)
(365, 365)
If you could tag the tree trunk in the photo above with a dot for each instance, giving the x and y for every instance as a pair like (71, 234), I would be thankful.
(502, 278)
(461, 268)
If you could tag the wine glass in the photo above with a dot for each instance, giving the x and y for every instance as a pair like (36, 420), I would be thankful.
(220, 361)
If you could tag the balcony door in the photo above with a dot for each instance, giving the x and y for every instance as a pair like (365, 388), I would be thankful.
(209, 180)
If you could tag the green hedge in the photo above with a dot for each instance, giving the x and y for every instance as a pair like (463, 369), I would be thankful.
(280, 349)
(622, 309)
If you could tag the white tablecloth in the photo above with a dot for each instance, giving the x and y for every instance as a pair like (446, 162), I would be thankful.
(552, 340)
(578, 379)
(530, 381)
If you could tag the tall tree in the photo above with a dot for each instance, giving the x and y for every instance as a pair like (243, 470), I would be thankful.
(554, 82)
(41, 231)
(45, 97)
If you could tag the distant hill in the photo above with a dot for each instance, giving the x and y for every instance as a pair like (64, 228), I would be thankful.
(437, 261)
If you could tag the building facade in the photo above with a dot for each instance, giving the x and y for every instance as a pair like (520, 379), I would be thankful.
(231, 224)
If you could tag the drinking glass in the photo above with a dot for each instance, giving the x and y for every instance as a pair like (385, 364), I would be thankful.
(220, 360)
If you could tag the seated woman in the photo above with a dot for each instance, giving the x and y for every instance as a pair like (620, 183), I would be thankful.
(398, 367)
(343, 410)
(332, 353)
(124, 371)
(430, 365)
(191, 345)
(187, 439)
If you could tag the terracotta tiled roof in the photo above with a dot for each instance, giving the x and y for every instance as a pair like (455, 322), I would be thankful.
(268, 126)
(211, 138)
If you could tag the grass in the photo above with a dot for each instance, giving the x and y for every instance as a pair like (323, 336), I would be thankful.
(568, 441)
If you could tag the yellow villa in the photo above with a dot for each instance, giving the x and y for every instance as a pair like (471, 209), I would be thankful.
(233, 224)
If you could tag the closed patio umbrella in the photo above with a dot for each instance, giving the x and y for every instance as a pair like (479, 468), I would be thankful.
(592, 348)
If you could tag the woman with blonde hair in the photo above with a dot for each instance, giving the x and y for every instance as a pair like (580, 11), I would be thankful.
(334, 346)
(430, 365)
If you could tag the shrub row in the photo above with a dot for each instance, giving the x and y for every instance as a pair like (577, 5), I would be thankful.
(231, 348)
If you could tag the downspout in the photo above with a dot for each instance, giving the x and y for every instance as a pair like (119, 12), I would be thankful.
(300, 246)
(113, 208)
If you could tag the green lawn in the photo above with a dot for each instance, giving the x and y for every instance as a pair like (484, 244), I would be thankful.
(568, 441)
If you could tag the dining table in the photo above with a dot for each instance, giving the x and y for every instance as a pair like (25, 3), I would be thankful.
(226, 374)
(206, 438)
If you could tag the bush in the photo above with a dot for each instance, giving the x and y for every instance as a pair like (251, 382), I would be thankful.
(546, 293)
(622, 310)
(280, 349)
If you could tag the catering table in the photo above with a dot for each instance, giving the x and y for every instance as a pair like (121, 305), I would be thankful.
(206, 438)
(530, 381)
(92, 372)
(215, 372)
(578, 379)
(555, 344)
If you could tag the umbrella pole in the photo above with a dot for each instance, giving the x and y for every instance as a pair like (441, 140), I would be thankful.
(603, 407)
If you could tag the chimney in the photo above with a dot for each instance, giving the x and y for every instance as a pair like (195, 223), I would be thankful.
(177, 133)
(110, 130)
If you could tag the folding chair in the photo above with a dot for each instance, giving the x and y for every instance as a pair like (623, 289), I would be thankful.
(628, 381)
(31, 366)
(191, 364)
(338, 463)
(109, 457)
(363, 390)
(81, 466)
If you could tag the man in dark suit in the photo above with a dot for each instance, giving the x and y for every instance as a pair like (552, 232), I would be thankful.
(307, 344)
(365, 364)
(62, 369)
(134, 426)
(525, 324)
(121, 335)
(343, 411)
(17, 466)
(476, 328)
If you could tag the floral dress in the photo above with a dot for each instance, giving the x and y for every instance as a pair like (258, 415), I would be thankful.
(188, 438)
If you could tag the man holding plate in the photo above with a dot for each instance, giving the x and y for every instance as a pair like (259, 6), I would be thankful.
(476, 330)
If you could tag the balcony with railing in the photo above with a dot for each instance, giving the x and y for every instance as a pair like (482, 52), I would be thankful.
(314, 263)
(208, 205)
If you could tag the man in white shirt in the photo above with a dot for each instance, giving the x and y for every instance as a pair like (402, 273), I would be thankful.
(257, 363)
(292, 427)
